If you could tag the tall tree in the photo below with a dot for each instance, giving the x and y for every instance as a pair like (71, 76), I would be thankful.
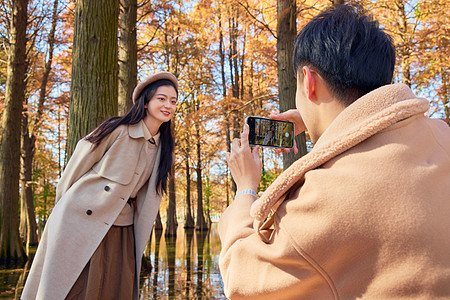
(127, 54)
(11, 251)
(233, 55)
(287, 83)
(94, 68)
(201, 222)
(28, 225)
(189, 222)
(225, 108)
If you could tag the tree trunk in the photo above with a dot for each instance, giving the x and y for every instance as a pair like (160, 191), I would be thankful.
(127, 54)
(171, 225)
(405, 48)
(158, 223)
(445, 95)
(222, 58)
(208, 202)
(94, 87)
(234, 56)
(28, 225)
(287, 83)
(189, 223)
(201, 223)
(226, 108)
(228, 139)
(243, 65)
(11, 248)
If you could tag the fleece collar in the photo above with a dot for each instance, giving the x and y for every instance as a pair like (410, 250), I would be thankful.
(365, 117)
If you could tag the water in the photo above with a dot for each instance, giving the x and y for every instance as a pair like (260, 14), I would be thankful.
(185, 267)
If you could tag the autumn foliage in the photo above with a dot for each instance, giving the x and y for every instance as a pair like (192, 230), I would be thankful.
(225, 56)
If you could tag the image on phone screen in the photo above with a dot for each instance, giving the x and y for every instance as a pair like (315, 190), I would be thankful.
(270, 133)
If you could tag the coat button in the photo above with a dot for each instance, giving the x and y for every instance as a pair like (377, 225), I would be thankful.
(107, 188)
(89, 212)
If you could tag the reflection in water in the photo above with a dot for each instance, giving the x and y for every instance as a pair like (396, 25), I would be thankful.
(8, 281)
(201, 237)
(189, 235)
(158, 234)
(182, 267)
(21, 281)
(171, 250)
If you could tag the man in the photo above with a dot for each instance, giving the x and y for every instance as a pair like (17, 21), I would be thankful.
(366, 213)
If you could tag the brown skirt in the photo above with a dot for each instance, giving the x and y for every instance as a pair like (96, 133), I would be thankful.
(110, 273)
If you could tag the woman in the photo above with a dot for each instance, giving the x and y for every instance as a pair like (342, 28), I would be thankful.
(107, 201)
(268, 139)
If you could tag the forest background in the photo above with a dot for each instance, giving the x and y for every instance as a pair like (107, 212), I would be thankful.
(65, 66)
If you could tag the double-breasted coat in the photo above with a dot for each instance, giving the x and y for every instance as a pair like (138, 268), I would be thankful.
(92, 192)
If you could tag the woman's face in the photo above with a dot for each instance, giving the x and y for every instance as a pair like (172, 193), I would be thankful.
(162, 105)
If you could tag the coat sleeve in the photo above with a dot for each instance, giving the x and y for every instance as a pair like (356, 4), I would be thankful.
(82, 160)
(254, 269)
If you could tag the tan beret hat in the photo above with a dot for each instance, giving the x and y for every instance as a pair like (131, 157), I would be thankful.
(152, 78)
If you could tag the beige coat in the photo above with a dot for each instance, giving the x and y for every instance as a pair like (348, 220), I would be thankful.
(93, 190)
(364, 215)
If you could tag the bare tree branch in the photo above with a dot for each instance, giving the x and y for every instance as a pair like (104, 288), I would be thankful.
(265, 25)
(248, 103)
(151, 39)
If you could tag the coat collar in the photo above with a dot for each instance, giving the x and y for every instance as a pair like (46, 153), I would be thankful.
(136, 131)
(367, 116)
(139, 130)
(364, 108)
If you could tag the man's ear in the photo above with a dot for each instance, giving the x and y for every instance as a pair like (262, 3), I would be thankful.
(309, 83)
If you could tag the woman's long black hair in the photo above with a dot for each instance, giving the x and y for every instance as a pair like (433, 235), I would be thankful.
(134, 116)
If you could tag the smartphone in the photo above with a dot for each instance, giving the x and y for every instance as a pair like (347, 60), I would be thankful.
(270, 133)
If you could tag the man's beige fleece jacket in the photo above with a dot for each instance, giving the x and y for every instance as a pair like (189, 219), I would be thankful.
(364, 215)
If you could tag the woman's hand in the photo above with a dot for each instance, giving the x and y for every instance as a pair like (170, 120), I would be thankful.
(293, 116)
(245, 165)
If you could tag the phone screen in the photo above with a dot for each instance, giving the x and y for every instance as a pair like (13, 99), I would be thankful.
(270, 133)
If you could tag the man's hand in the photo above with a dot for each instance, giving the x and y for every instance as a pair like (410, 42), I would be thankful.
(293, 116)
(245, 165)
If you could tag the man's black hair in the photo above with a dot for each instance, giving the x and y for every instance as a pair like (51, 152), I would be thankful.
(348, 49)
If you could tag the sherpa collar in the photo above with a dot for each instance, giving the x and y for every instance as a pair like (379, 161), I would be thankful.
(368, 115)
